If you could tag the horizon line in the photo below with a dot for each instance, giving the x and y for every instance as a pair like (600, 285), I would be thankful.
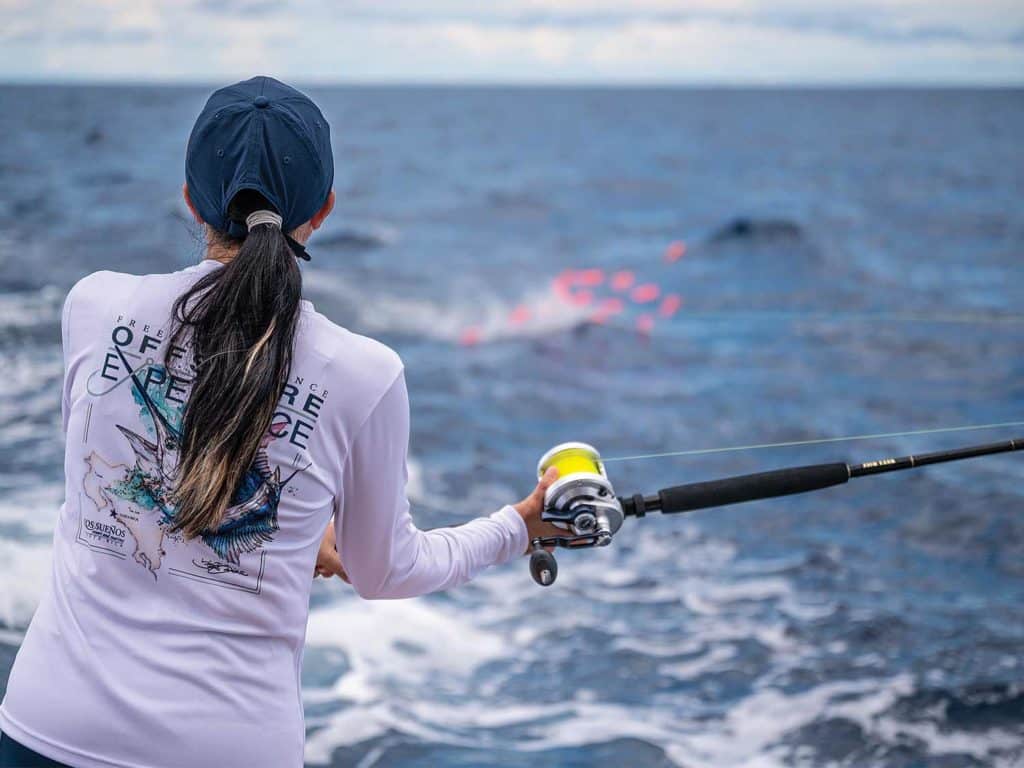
(707, 84)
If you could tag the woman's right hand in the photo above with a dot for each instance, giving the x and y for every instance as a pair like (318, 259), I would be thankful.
(531, 508)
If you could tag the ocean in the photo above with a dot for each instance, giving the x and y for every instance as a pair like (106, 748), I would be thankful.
(842, 262)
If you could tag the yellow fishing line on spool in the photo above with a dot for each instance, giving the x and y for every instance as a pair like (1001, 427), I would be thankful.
(571, 458)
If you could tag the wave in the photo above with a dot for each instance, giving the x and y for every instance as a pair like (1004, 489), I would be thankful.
(725, 630)
(746, 228)
(977, 707)
(29, 309)
(355, 238)
(484, 319)
(26, 569)
(103, 178)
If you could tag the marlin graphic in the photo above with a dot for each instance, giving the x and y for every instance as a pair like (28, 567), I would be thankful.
(251, 519)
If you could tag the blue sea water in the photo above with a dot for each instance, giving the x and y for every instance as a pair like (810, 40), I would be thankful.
(853, 266)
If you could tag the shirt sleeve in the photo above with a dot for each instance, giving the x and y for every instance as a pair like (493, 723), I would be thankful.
(385, 555)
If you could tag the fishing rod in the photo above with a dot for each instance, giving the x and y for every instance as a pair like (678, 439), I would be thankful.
(583, 503)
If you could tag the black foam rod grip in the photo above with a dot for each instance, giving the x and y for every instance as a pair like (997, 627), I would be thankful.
(763, 485)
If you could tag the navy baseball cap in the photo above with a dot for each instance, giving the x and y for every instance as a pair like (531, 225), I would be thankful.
(263, 135)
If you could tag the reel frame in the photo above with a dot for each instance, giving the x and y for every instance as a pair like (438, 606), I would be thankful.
(582, 502)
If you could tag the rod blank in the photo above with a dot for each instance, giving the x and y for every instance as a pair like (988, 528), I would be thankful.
(938, 457)
(792, 480)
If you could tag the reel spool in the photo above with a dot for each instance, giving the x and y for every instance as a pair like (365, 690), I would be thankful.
(581, 501)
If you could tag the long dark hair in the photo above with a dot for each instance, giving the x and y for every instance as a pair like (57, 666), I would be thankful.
(242, 320)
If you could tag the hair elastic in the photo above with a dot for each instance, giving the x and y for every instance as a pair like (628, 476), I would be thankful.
(263, 217)
(256, 218)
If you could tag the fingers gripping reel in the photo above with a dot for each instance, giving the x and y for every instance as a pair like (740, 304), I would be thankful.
(581, 501)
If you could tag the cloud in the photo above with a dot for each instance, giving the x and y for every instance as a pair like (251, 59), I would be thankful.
(105, 35)
(517, 40)
(243, 7)
(876, 26)
(15, 33)
(110, 22)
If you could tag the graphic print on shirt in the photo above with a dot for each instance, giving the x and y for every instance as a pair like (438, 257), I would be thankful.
(134, 497)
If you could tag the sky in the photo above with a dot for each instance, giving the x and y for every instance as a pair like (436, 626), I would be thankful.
(742, 42)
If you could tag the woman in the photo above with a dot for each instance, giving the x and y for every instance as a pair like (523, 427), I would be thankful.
(216, 425)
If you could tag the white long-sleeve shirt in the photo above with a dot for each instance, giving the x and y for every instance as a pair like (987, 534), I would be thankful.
(151, 650)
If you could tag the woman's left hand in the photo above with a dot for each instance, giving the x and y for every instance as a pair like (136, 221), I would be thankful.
(328, 562)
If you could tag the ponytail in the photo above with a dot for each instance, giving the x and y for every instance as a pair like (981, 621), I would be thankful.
(242, 319)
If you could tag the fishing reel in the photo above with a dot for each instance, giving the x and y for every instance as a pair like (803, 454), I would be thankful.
(581, 501)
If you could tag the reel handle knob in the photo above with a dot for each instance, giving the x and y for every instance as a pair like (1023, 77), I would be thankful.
(543, 566)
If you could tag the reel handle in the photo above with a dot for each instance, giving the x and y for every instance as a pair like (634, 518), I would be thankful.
(543, 566)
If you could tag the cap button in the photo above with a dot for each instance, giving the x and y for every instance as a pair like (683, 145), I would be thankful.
(261, 101)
